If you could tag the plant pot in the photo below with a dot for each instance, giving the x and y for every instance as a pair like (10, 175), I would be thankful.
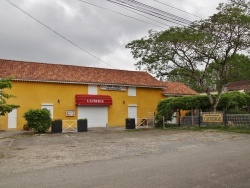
(130, 123)
(82, 125)
(56, 126)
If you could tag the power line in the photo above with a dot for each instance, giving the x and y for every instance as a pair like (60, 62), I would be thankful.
(60, 35)
(154, 10)
(128, 7)
(137, 12)
(177, 9)
(121, 14)
(164, 12)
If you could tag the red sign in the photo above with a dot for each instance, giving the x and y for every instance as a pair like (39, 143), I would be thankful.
(93, 100)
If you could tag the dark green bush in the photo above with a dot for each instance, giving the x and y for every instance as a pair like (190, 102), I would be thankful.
(38, 119)
(236, 111)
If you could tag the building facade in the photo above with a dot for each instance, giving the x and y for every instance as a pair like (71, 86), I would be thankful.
(103, 96)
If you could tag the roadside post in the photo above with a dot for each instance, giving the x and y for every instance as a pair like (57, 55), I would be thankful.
(163, 119)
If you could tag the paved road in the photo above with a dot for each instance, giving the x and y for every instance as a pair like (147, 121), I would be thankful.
(222, 164)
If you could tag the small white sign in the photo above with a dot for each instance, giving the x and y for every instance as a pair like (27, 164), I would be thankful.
(114, 88)
(70, 112)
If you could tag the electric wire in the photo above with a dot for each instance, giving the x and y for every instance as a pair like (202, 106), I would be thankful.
(121, 14)
(145, 12)
(124, 7)
(155, 10)
(177, 9)
(158, 10)
(60, 35)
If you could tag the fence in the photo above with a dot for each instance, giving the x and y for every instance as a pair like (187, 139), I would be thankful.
(215, 119)
(69, 125)
(147, 121)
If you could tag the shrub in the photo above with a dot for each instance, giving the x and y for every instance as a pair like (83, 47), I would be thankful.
(236, 111)
(38, 119)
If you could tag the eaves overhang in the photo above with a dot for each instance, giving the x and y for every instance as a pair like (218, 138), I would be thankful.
(86, 83)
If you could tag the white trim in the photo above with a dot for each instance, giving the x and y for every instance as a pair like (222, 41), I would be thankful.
(48, 104)
(132, 105)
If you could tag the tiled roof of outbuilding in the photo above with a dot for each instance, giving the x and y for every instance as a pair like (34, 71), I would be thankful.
(44, 72)
(177, 88)
(240, 85)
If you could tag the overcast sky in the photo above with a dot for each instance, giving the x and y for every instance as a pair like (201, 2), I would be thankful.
(100, 32)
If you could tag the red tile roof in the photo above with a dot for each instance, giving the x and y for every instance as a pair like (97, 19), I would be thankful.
(177, 88)
(43, 72)
(240, 85)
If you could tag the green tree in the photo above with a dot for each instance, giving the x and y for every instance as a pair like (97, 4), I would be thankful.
(194, 48)
(4, 107)
(177, 75)
(239, 68)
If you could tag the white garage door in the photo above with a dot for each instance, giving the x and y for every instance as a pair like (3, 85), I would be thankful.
(97, 115)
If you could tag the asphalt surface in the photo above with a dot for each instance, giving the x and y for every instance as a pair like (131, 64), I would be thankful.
(217, 163)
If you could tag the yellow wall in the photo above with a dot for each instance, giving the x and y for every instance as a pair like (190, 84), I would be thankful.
(146, 100)
(31, 95)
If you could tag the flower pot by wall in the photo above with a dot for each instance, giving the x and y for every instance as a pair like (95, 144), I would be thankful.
(130, 123)
(56, 126)
(82, 125)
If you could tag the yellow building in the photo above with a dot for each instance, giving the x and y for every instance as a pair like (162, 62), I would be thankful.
(103, 96)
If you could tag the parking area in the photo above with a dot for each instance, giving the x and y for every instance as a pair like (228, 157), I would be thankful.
(24, 152)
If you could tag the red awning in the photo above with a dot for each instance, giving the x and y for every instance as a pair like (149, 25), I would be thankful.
(93, 100)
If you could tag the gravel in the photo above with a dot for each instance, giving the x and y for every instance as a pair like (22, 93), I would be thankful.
(21, 153)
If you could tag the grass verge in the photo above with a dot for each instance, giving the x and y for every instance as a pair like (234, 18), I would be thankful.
(241, 129)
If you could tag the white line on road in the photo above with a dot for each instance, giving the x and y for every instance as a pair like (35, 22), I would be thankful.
(69, 137)
(11, 143)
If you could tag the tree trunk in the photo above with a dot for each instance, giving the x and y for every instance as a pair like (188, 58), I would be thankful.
(214, 102)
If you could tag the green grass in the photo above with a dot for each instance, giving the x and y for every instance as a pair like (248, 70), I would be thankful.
(240, 129)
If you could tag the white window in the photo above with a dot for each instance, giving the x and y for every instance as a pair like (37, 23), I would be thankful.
(92, 90)
(132, 91)
(49, 107)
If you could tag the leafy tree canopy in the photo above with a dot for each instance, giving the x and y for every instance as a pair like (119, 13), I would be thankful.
(239, 68)
(4, 107)
(194, 49)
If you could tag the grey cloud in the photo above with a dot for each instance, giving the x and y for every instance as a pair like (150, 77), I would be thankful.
(102, 33)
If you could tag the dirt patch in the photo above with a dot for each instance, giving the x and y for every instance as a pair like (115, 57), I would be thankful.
(29, 152)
